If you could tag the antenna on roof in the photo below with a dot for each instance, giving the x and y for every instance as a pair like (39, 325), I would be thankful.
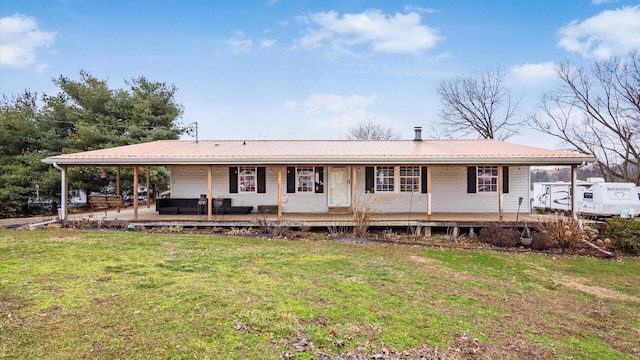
(191, 128)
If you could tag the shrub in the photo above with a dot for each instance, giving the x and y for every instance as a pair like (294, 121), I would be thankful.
(277, 229)
(563, 231)
(496, 235)
(542, 241)
(361, 212)
(623, 233)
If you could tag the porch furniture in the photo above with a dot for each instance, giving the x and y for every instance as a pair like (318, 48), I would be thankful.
(193, 206)
(100, 202)
(202, 204)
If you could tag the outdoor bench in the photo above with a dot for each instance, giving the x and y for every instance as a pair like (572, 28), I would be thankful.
(99, 202)
(193, 206)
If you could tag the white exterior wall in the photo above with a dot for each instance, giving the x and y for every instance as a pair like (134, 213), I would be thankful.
(191, 182)
(387, 202)
(449, 192)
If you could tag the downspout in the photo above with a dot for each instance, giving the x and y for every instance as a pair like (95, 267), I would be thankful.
(63, 192)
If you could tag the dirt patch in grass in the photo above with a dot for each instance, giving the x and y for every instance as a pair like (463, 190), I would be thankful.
(576, 283)
(65, 238)
(464, 346)
(423, 260)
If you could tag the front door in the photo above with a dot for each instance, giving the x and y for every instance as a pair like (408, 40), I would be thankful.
(339, 186)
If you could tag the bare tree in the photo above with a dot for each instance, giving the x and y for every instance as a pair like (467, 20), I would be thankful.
(479, 104)
(597, 111)
(372, 131)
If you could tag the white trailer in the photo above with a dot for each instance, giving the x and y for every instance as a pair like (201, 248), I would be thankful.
(608, 199)
(594, 197)
(551, 196)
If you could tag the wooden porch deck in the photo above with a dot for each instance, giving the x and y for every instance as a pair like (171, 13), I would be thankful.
(149, 217)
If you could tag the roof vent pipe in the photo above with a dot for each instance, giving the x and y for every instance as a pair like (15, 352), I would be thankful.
(418, 130)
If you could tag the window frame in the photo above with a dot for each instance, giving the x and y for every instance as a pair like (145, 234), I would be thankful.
(382, 174)
(310, 176)
(243, 178)
(415, 177)
(487, 179)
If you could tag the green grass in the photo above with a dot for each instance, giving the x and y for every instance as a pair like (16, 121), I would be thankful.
(103, 294)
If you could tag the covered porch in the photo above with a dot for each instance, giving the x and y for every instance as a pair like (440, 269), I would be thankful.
(405, 182)
(148, 217)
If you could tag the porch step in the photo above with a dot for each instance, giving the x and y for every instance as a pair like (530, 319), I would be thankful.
(339, 210)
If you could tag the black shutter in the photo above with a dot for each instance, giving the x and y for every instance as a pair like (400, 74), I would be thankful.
(233, 179)
(319, 170)
(262, 179)
(291, 179)
(423, 180)
(370, 179)
(505, 179)
(471, 179)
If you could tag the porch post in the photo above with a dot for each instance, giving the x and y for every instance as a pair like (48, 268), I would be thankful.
(279, 193)
(118, 181)
(135, 193)
(64, 194)
(148, 198)
(500, 194)
(574, 180)
(209, 192)
(428, 192)
(354, 196)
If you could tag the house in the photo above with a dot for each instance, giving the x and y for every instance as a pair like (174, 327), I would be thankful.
(321, 176)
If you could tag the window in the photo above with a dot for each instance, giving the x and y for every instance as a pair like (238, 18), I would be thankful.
(409, 178)
(247, 179)
(305, 176)
(487, 178)
(385, 179)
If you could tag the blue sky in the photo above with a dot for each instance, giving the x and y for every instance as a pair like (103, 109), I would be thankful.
(280, 69)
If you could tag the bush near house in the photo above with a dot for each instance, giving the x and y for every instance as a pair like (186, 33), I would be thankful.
(497, 235)
(563, 232)
(623, 233)
(542, 241)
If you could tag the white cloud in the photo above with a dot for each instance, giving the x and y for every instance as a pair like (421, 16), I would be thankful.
(598, 2)
(399, 33)
(290, 104)
(41, 68)
(440, 57)
(19, 39)
(267, 43)
(610, 33)
(342, 112)
(335, 103)
(239, 44)
(352, 118)
(534, 73)
(272, 2)
(420, 9)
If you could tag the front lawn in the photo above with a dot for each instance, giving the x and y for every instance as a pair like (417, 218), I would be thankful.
(108, 294)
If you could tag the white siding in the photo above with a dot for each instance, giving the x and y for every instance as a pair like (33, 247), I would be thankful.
(389, 202)
(190, 182)
(449, 192)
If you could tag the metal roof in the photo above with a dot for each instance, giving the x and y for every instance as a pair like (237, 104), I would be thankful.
(321, 152)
